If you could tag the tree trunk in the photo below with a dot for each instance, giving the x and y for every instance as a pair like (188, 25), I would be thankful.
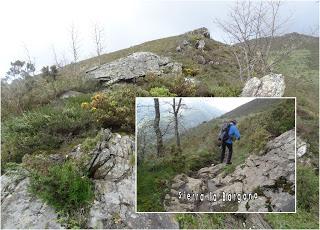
(176, 109)
(156, 126)
(176, 131)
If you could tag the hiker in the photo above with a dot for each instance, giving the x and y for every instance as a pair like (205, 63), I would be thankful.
(227, 134)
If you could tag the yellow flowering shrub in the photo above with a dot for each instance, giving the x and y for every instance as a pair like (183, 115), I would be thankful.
(116, 108)
(85, 105)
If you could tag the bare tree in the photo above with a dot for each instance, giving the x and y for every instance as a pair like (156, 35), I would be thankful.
(58, 63)
(75, 46)
(252, 28)
(30, 63)
(156, 126)
(98, 36)
(176, 109)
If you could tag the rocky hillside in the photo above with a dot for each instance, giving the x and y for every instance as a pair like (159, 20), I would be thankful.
(270, 175)
(45, 120)
(112, 165)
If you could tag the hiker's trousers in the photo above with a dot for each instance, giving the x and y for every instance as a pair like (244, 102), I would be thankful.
(223, 150)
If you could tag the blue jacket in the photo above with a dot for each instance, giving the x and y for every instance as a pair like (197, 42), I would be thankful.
(233, 133)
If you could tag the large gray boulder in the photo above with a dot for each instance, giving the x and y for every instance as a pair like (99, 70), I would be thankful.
(134, 66)
(270, 175)
(19, 209)
(272, 85)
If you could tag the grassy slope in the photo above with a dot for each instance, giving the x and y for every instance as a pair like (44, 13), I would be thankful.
(302, 81)
(251, 107)
(214, 76)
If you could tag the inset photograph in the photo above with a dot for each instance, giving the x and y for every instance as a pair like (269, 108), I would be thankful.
(216, 154)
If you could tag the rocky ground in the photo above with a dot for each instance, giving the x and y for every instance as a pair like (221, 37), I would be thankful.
(270, 175)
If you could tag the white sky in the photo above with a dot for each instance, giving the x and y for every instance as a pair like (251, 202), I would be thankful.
(41, 24)
(224, 104)
(227, 104)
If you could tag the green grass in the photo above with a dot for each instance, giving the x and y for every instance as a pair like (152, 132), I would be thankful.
(65, 188)
(301, 71)
(201, 221)
(152, 186)
(301, 220)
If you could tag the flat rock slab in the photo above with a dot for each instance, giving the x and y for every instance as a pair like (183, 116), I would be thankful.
(134, 66)
(21, 210)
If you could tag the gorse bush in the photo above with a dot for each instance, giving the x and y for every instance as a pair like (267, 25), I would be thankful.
(45, 128)
(65, 188)
(116, 108)
(189, 71)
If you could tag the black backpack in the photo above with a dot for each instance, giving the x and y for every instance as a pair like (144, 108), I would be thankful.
(224, 133)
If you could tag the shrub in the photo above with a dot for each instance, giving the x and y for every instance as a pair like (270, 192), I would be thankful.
(189, 71)
(177, 85)
(161, 92)
(226, 91)
(115, 108)
(40, 163)
(65, 188)
(45, 128)
(282, 118)
(258, 139)
(203, 91)
(199, 160)
(182, 87)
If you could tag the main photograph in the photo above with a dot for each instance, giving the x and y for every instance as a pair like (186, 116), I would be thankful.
(215, 154)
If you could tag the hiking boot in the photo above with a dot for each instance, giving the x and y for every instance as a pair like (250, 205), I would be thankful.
(229, 163)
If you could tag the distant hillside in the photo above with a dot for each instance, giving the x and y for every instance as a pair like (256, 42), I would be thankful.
(195, 112)
(254, 106)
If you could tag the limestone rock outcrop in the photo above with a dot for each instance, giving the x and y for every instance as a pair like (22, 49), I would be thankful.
(269, 177)
(111, 164)
(272, 85)
(134, 66)
(19, 209)
(114, 204)
(202, 32)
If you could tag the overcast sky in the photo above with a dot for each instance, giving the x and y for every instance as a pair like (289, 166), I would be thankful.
(224, 104)
(38, 25)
